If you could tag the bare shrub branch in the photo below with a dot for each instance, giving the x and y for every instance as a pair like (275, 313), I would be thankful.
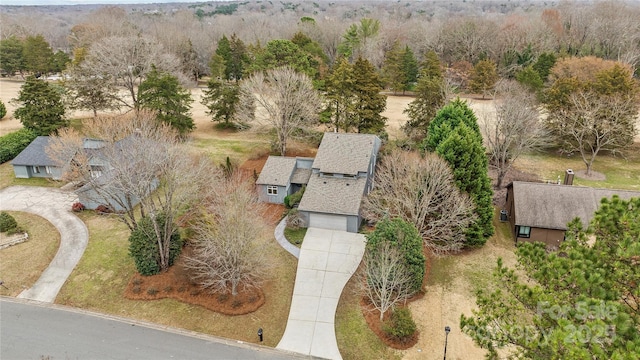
(421, 191)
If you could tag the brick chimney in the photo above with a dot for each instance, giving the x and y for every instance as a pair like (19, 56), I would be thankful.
(568, 177)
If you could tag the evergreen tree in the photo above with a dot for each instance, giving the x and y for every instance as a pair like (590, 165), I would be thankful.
(60, 60)
(544, 64)
(11, 55)
(580, 302)
(38, 56)
(392, 69)
(369, 102)
(224, 52)
(409, 65)
(447, 119)
(221, 99)
(430, 97)
(42, 109)
(483, 77)
(340, 95)
(234, 54)
(3, 110)
(464, 151)
(405, 237)
(279, 53)
(530, 78)
(162, 93)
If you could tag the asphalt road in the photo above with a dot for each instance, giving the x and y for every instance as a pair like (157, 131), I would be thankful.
(34, 331)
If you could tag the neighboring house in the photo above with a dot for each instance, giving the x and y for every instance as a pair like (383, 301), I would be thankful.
(33, 161)
(541, 212)
(341, 173)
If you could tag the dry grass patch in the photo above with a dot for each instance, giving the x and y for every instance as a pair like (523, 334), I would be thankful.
(99, 281)
(21, 265)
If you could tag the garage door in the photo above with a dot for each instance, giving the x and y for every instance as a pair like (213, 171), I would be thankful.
(328, 221)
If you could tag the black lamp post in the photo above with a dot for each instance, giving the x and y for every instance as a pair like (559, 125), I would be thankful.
(446, 337)
(260, 334)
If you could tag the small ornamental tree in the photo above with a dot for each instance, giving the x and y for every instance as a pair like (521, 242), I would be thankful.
(41, 107)
(143, 245)
(405, 237)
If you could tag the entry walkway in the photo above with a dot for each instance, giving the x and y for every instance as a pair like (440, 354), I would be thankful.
(55, 206)
(328, 259)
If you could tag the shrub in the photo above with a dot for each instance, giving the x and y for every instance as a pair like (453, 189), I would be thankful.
(401, 325)
(3, 110)
(143, 246)
(77, 207)
(168, 288)
(136, 289)
(295, 220)
(7, 222)
(294, 199)
(152, 291)
(12, 144)
(104, 209)
(223, 298)
(405, 237)
(236, 304)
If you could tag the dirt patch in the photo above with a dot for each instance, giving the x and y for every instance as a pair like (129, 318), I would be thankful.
(593, 175)
(176, 284)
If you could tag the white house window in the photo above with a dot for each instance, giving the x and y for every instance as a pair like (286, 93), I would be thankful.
(524, 231)
(272, 190)
(36, 169)
(47, 169)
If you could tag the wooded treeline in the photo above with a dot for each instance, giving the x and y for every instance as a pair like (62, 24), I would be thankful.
(511, 34)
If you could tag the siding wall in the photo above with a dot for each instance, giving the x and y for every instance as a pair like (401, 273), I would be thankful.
(21, 171)
(551, 237)
(274, 199)
(27, 171)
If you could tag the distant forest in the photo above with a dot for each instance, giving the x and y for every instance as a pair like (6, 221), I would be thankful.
(512, 34)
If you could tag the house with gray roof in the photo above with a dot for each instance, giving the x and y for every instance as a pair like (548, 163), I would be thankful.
(541, 211)
(337, 179)
(33, 161)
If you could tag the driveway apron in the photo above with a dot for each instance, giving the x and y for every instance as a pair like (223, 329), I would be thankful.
(328, 259)
(55, 206)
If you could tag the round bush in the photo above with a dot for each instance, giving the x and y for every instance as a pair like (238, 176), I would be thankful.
(401, 325)
(3, 110)
(7, 222)
(143, 246)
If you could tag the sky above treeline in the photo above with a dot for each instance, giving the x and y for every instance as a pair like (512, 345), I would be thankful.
(92, 2)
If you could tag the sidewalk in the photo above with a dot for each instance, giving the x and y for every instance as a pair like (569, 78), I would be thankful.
(327, 261)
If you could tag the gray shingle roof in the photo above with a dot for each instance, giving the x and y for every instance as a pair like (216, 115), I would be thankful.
(552, 206)
(35, 154)
(344, 153)
(301, 176)
(277, 171)
(333, 195)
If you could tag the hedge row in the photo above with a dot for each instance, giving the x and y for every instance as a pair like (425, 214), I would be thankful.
(12, 144)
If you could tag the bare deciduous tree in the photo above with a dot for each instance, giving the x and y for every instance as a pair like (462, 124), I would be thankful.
(515, 130)
(227, 252)
(384, 280)
(595, 123)
(127, 60)
(282, 99)
(143, 169)
(422, 191)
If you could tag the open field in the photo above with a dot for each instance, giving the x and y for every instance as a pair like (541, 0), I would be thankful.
(22, 264)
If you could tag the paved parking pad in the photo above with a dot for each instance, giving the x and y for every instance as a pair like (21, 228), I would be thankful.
(328, 259)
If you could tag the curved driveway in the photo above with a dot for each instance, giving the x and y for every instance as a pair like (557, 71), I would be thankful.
(55, 206)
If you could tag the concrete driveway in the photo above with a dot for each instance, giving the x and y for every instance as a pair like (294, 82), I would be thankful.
(328, 259)
(55, 206)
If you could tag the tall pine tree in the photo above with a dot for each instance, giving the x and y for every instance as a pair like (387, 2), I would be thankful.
(369, 102)
(162, 93)
(340, 95)
(41, 107)
(447, 119)
(430, 97)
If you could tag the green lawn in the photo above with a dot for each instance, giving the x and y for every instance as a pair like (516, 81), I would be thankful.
(295, 236)
(621, 172)
(99, 280)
